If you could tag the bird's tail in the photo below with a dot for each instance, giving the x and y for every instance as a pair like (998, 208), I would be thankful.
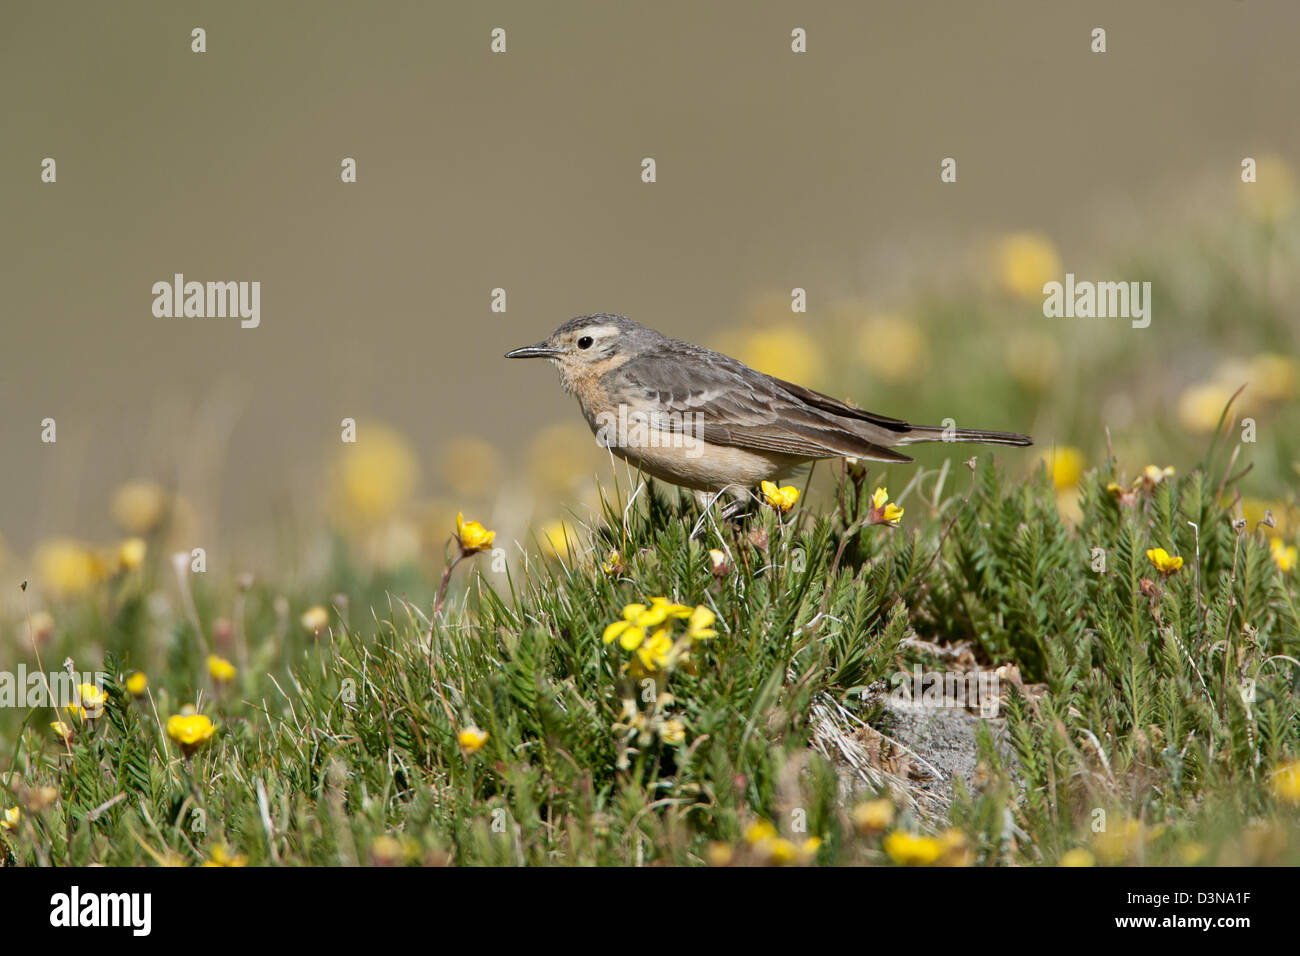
(924, 433)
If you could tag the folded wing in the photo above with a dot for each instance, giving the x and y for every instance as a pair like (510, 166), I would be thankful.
(719, 400)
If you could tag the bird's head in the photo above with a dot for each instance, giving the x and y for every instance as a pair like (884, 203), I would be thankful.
(588, 344)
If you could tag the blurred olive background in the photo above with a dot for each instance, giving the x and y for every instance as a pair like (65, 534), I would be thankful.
(522, 171)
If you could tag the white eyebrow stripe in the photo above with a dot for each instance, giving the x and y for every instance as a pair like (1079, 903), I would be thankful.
(600, 330)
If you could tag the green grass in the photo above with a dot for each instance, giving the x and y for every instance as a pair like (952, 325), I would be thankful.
(1143, 717)
(343, 748)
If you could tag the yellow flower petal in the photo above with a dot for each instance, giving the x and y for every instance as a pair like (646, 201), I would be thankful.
(473, 536)
(614, 630)
(1025, 262)
(190, 730)
(1283, 555)
(1286, 782)
(700, 625)
(220, 669)
(315, 619)
(1163, 561)
(472, 739)
(631, 638)
(912, 850)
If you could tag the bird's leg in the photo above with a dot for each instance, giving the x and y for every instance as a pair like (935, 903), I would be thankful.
(740, 499)
(736, 506)
(706, 500)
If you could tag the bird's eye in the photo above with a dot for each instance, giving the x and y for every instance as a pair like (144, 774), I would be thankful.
(585, 342)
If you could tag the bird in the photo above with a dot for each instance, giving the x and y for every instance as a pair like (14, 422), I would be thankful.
(705, 421)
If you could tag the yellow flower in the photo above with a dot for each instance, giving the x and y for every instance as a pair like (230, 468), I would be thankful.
(653, 654)
(782, 499)
(776, 850)
(882, 510)
(1256, 513)
(315, 619)
(1077, 857)
(220, 669)
(130, 554)
(471, 739)
(912, 850)
(190, 730)
(1124, 496)
(718, 853)
(472, 535)
(874, 816)
(63, 730)
(1286, 782)
(91, 699)
(1163, 561)
(1283, 555)
(1189, 854)
(1152, 476)
(638, 618)
(628, 631)
(785, 351)
(558, 537)
(613, 563)
(700, 625)
(11, 818)
(1273, 377)
(1026, 261)
(666, 608)
(673, 732)
(136, 684)
(1117, 842)
(222, 857)
(1272, 196)
(67, 568)
(893, 348)
(374, 475)
(758, 831)
(1200, 406)
(1065, 465)
(139, 507)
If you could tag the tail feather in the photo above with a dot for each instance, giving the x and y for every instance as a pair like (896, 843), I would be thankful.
(926, 433)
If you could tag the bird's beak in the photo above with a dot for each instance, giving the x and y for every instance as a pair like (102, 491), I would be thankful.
(540, 350)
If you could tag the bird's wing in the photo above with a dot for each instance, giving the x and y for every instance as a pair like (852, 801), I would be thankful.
(721, 401)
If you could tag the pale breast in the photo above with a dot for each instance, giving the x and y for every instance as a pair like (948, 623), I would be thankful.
(682, 459)
(697, 464)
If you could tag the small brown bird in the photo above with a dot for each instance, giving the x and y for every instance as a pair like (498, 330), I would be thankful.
(697, 418)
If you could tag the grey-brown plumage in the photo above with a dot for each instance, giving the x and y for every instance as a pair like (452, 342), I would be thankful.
(749, 426)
